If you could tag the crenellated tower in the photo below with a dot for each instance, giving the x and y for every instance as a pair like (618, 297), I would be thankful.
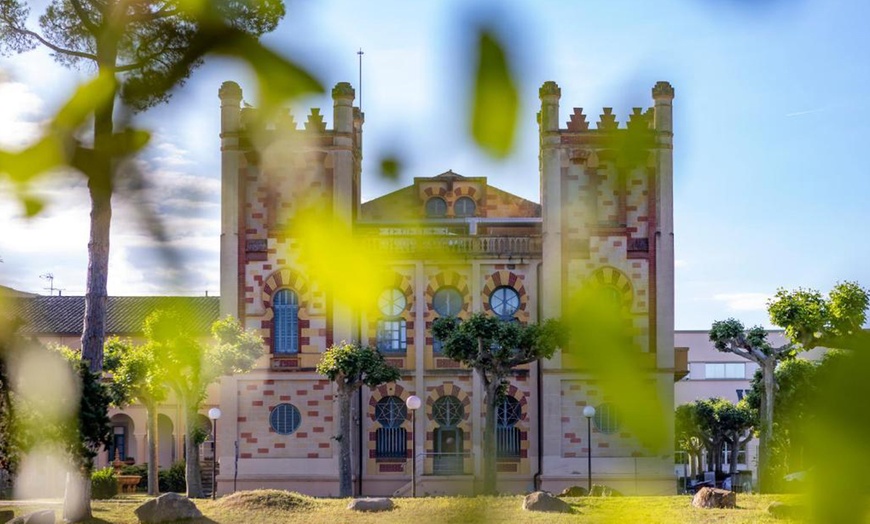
(272, 169)
(607, 220)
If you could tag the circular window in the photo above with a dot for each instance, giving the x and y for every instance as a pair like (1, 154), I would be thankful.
(447, 301)
(508, 412)
(448, 411)
(285, 419)
(391, 412)
(464, 207)
(606, 418)
(436, 207)
(392, 302)
(504, 301)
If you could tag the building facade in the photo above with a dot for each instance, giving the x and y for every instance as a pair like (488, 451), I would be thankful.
(382, 271)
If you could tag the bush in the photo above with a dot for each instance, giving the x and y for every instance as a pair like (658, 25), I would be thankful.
(172, 479)
(104, 485)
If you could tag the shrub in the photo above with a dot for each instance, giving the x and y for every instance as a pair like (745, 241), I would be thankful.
(172, 479)
(104, 485)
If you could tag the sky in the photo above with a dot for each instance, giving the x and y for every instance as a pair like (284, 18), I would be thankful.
(771, 119)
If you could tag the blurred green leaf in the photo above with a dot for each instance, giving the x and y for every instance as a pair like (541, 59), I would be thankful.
(391, 167)
(32, 205)
(495, 106)
(279, 79)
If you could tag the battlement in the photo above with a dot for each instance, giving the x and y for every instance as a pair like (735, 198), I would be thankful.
(251, 120)
(638, 119)
(656, 118)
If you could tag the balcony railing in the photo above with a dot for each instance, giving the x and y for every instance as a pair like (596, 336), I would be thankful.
(471, 245)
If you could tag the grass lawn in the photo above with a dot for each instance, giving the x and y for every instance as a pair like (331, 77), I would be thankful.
(305, 510)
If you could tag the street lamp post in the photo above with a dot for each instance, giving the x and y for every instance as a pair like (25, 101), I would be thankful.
(413, 403)
(214, 414)
(589, 412)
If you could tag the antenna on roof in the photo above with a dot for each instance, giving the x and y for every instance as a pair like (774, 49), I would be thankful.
(51, 289)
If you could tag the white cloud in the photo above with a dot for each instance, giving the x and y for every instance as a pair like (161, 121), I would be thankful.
(21, 111)
(743, 301)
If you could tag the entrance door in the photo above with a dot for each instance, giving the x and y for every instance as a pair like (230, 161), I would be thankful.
(448, 451)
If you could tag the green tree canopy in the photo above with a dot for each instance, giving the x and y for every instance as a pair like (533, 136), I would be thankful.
(493, 348)
(350, 367)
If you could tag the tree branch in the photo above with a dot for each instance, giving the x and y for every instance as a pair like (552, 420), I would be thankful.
(56, 49)
(84, 18)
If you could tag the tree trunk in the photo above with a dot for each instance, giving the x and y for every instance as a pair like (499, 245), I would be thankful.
(153, 479)
(77, 497)
(732, 460)
(345, 474)
(489, 447)
(192, 474)
(768, 370)
(99, 173)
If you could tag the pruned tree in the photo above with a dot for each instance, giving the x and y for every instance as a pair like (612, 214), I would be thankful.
(689, 436)
(137, 376)
(809, 320)
(493, 347)
(189, 367)
(350, 367)
(735, 422)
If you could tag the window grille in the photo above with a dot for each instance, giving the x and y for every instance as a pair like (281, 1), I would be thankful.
(285, 322)
(285, 419)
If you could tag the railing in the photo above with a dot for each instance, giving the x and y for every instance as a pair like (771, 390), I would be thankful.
(391, 443)
(443, 463)
(497, 246)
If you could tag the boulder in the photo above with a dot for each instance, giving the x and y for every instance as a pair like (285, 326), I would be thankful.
(573, 491)
(167, 508)
(371, 504)
(603, 491)
(543, 501)
(45, 516)
(779, 510)
(714, 498)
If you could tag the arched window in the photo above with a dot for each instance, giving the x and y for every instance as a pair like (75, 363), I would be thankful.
(285, 322)
(464, 207)
(449, 457)
(391, 438)
(448, 301)
(507, 414)
(504, 302)
(392, 333)
(285, 419)
(436, 207)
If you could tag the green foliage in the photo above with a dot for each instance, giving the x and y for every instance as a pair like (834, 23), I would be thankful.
(811, 320)
(351, 366)
(172, 479)
(104, 485)
(137, 375)
(495, 101)
(496, 346)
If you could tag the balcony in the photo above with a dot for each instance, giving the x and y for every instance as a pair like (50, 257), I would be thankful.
(514, 247)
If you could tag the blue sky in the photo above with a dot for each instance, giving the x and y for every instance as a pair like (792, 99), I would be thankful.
(771, 120)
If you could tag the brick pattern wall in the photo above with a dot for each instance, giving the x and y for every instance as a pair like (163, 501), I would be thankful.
(313, 399)
(575, 395)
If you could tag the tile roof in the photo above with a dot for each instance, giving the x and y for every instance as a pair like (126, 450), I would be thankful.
(43, 315)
